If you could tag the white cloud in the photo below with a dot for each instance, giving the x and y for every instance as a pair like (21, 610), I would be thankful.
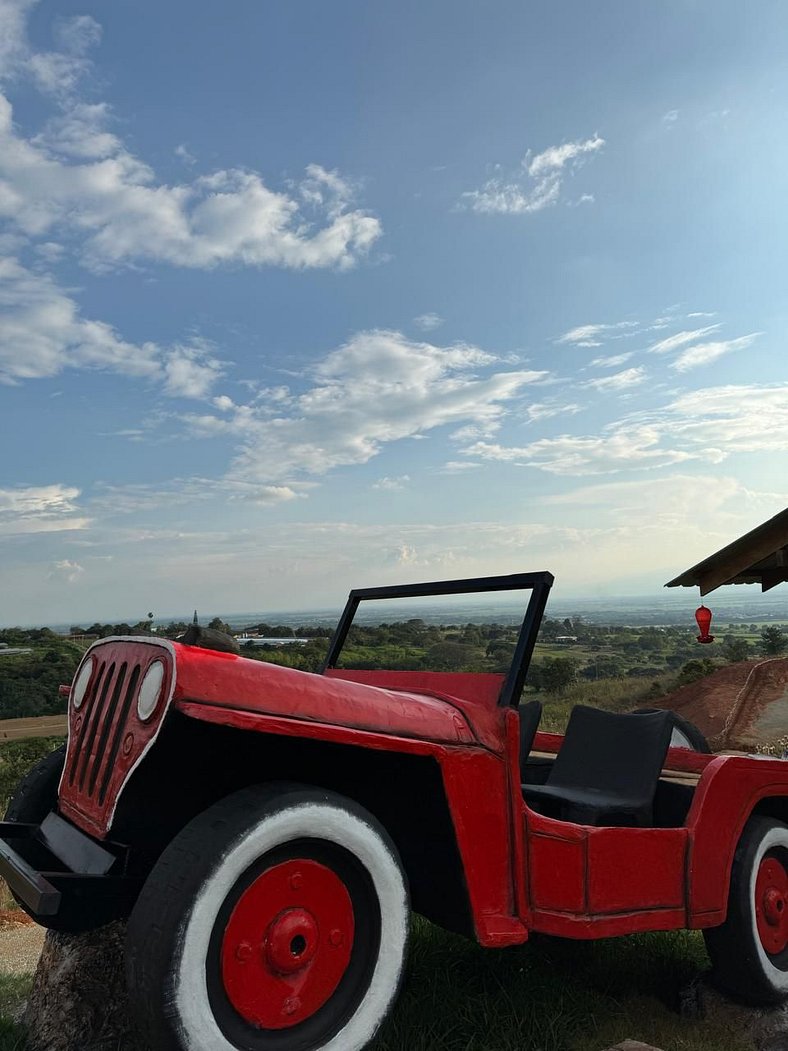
(623, 447)
(589, 335)
(704, 353)
(536, 185)
(114, 201)
(392, 484)
(42, 333)
(707, 425)
(546, 410)
(40, 509)
(377, 388)
(555, 158)
(428, 322)
(619, 380)
(670, 117)
(681, 339)
(612, 361)
(67, 570)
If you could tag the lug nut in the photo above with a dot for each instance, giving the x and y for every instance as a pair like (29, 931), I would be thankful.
(291, 1005)
(336, 938)
(296, 881)
(243, 952)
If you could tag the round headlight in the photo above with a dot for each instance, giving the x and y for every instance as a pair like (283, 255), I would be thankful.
(80, 687)
(150, 691)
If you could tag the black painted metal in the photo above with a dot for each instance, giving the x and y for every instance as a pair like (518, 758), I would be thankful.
(75, 849)
(29, 885)
(538, 584)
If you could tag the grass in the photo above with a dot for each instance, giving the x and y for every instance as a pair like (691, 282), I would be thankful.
(14, 989)
(548, 995)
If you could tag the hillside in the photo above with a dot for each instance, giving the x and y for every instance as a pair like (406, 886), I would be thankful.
(741, 706)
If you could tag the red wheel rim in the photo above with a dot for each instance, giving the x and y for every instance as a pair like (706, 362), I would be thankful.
(287, 944)
(771, 904)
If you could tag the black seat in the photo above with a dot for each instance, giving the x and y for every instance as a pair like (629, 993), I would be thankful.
(607, 770)
(530, 714)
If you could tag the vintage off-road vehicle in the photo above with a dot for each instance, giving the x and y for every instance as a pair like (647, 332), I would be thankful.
(268, 831)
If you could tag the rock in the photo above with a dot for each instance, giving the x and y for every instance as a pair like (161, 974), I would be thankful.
(78, 1001)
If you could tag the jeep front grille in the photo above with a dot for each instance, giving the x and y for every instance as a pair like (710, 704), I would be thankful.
(107, 738)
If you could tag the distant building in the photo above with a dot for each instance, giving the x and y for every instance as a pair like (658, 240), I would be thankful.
(565, 640)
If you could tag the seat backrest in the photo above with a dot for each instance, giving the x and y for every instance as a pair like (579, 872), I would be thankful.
(530, 714)
(619, 754)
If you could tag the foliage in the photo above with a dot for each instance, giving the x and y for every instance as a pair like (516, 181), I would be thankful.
(554, 675)
(694, 670)
(29, 681)
(735, 649)
(17, 758)
(773, 641)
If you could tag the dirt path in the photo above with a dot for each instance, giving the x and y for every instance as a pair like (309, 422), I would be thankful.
(21, 942)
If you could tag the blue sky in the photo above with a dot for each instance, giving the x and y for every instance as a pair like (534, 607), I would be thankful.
(307, 296)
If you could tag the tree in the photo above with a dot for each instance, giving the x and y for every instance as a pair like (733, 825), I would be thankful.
(735, 649)
(773, 642)
(217, 624)
(557, 674)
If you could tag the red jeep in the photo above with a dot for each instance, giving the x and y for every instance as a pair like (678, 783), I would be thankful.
(267, 832)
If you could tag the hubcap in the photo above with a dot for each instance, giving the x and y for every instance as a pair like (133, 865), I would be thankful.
(771, 905)
(287, 944)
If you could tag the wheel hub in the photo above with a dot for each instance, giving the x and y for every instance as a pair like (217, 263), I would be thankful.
(291, 941)
(771, 905)
(287, 944)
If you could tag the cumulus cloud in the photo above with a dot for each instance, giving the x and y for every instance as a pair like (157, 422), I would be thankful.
(536, 185)
(43, 333)
(377, 388)
(78, 177)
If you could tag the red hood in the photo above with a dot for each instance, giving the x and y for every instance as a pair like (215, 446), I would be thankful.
(230, 681)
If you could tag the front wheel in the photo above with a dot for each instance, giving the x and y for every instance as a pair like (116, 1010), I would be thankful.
(749, 952)
(277, 920)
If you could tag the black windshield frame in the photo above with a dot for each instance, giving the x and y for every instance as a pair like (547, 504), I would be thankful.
(538, 584)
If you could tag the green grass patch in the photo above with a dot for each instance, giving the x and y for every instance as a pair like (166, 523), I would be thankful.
(550, 995)
(14, 989)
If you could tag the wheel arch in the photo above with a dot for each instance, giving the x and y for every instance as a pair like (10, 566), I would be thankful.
(197, 763)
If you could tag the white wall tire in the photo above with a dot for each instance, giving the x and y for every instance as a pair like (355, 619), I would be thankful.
(277, 920)
(749, 952)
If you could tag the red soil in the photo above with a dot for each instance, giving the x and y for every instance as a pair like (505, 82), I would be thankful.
(731, 706)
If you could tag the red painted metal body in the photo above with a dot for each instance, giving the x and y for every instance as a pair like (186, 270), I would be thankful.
(523, 871)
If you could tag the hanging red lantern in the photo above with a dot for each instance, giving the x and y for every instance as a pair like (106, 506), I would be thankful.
(703, 617)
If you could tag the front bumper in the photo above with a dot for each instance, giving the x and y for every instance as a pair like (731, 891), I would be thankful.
(62, 877)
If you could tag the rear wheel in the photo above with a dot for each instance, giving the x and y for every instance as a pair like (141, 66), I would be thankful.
(749, 952)
(276, 921)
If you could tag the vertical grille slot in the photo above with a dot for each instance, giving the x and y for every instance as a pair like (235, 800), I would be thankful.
(87, 713)
(120, 730)
(105, 729)
(95, 716)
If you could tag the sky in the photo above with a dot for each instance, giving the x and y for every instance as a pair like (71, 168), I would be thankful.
(302, 297)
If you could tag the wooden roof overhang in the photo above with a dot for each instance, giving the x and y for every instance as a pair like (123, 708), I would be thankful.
(758, 557)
